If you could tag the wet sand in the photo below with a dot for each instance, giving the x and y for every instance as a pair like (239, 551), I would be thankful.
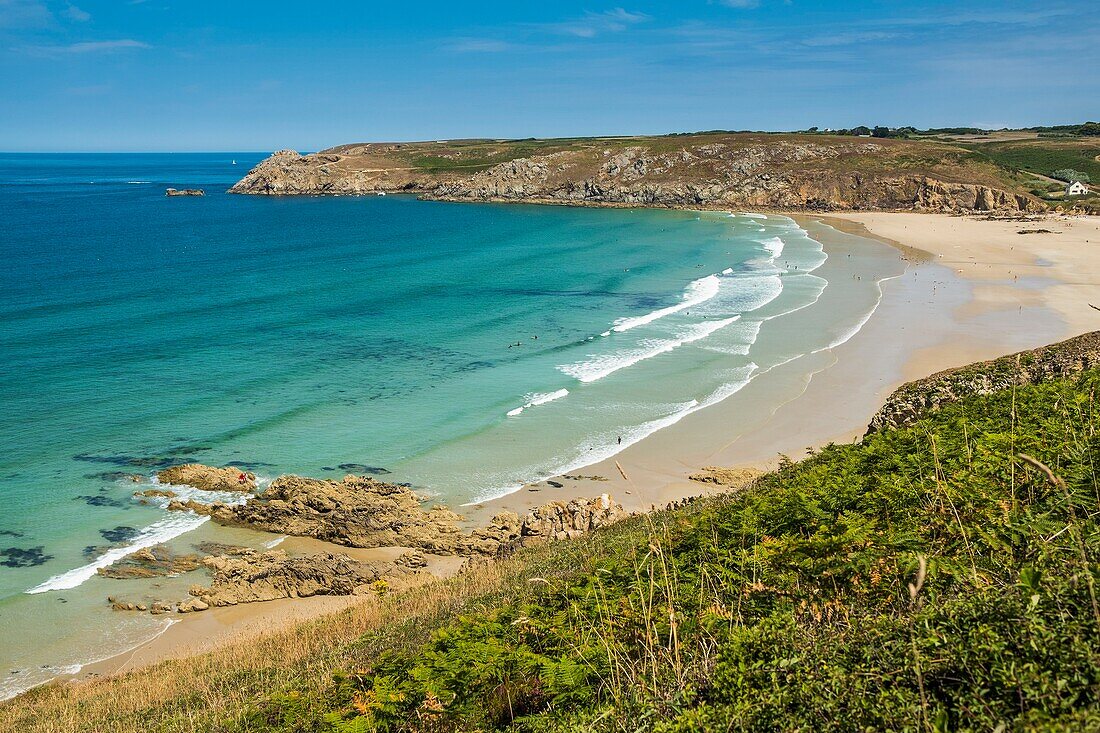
(971, 290)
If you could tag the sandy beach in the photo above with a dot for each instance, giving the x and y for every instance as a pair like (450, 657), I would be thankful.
(972, 289)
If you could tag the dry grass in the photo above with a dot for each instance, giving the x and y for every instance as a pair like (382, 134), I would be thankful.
(216, 690)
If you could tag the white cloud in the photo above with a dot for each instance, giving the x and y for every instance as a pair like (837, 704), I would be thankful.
(848, 39)
(121, 44)
(740, 4)
(24, 14)
(76, 14)
(592, 24)
(98, 46)
(479, 45)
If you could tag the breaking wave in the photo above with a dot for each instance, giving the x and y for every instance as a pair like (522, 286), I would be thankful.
(533, 400)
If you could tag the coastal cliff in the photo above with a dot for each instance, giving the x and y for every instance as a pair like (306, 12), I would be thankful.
(785, 172)
(916, 400)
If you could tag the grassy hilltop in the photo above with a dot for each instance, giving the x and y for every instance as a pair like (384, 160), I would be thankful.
(794, 171)
(938, 577)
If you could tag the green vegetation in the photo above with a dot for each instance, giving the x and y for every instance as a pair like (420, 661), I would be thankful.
(1044, 157)
(939, 577)
(929, 579)
(1068, 174)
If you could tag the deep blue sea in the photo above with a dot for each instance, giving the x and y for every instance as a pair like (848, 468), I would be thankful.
(464, 348)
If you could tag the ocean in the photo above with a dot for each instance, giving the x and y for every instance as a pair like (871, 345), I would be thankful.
(466, 349)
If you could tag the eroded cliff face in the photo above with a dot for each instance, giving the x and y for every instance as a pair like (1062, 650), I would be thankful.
(773, 175)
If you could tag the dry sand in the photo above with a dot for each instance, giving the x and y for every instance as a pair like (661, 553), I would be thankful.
(973, 289)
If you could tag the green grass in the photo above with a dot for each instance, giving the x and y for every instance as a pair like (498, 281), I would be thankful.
(1044, 156)
(928, 579)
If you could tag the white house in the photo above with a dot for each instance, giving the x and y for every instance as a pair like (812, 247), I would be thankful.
(1076, 188)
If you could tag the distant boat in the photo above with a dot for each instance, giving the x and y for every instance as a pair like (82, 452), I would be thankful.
(381, 193)
(234, 162)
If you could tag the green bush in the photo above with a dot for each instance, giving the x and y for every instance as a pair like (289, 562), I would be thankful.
(926, 579)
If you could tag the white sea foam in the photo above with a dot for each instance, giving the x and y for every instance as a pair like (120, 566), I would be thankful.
(601, 365)
(137, 182)
(699, 291)
(752, 215)
(533, 400)
(751, 331)
(743, 293)
(774, 245)
(156, 533)
(275, 542)
(602, 447)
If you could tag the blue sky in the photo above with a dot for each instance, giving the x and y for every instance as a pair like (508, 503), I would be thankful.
(242, 75)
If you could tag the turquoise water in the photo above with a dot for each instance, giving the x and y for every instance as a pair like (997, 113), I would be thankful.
(463, 348)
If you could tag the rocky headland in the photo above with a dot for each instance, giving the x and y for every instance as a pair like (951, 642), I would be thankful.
(775, 172)
(355, 512)
(914, 400)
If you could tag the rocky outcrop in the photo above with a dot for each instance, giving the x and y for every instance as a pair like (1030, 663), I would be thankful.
(155, 493)
(184, 192)
(913, 400)
(190, 505)
(558, 520)
(121, 605)
(773, 172)
(208, 478)
(933, 195)
(731, 477)
(358, 511)
(288, 173)
(266, 576)
(150, 562)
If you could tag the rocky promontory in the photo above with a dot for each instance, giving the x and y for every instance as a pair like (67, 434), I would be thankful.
(363, 512)
(266, 576)
(208, 478)
(357, 511)
(785, 172)
(913, 400)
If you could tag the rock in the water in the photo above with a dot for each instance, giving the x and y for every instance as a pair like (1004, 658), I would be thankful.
(184, 192)
(150, 562)
(357, 511)
(266, 576)
(155, 494)
(118, 605)
(193, 605)
(360, 511)
(208, 478)
(190, 505)
(20, 557)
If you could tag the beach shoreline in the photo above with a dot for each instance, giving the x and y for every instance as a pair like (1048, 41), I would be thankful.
(971, 289)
